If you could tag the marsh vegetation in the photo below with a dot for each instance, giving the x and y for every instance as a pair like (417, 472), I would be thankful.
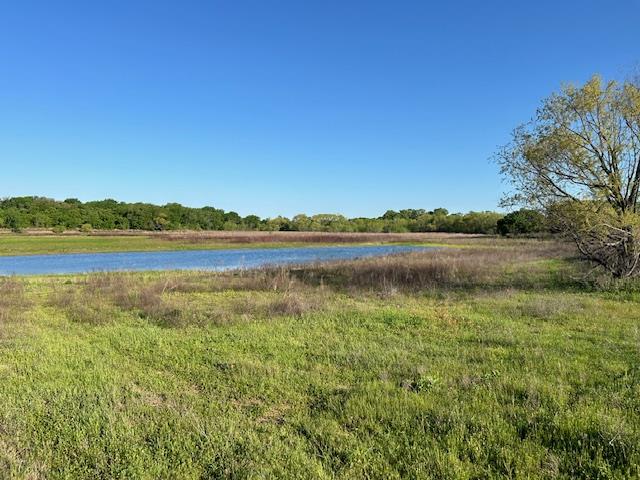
(503, 358)
(44, 242)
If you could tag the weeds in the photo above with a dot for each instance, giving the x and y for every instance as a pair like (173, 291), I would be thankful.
(164, 301)
(293, 291)
(308, 237)
(546, 307)
(478, 268)
(13, 302)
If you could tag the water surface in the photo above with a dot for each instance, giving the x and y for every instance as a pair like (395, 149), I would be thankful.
(188, 259)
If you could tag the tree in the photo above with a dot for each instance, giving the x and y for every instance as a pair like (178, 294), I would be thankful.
(440, 212)
(14, 220)
(390, 215)
(579, 159)
(302, 223)
(522, 222)
(251, 222)
(277, 224)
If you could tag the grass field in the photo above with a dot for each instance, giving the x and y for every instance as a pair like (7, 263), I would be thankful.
(72, 242)
(497, 361)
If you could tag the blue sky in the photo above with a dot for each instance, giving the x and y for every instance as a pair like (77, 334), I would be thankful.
(282, 107)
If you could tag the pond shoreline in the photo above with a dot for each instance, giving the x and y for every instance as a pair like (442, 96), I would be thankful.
(205, 259)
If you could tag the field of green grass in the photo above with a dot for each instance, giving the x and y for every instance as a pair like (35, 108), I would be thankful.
(52, 244)
(32, 244)
(498, 361)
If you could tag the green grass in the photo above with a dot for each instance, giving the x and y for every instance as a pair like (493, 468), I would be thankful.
(51, 244)
(270, 376)
(30, 244)
(57, 244)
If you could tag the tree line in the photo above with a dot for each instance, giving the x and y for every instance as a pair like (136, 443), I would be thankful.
(38, 212)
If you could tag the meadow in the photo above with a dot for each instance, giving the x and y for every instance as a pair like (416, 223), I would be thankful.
(503, 359)
(46, 242)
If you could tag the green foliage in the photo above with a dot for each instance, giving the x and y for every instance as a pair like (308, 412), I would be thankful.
(522, 222)
(582, 152)
(71, 214)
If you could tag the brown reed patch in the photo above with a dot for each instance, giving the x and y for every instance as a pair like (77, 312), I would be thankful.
(445, 268)
(80, 307)
(245, 237)
(154, 299)
(295, 304)
(295, 290)
(442, 269)
(276, 279)
(96, 299)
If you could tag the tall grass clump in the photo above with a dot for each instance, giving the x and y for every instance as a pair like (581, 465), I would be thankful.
(146, 298)
(13, 301)
(167, 299)
(445, 268)
(97, 299)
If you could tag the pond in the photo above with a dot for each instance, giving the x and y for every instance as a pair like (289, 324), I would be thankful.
(189, 259)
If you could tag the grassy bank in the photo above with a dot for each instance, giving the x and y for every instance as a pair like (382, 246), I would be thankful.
(39, 242)
(501, 360)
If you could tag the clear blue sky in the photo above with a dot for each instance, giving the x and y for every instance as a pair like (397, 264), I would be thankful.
(281, 107)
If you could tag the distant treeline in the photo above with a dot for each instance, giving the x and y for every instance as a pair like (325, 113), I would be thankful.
(71, 214)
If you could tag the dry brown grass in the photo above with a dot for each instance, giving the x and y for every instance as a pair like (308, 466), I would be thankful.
(277, 279)
(81, 308)
(127, 293)
(292, 303)
(166, 298)
(309, 237)
(13, 302)
(97, 298)
(446, 268)
(546, 308)
(263, 237)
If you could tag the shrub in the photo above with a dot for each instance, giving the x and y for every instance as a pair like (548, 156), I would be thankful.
(522, 222)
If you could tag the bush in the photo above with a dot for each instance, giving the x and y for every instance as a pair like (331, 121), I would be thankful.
(522, 222)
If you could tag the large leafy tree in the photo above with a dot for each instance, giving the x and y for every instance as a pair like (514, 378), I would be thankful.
(579, 159)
